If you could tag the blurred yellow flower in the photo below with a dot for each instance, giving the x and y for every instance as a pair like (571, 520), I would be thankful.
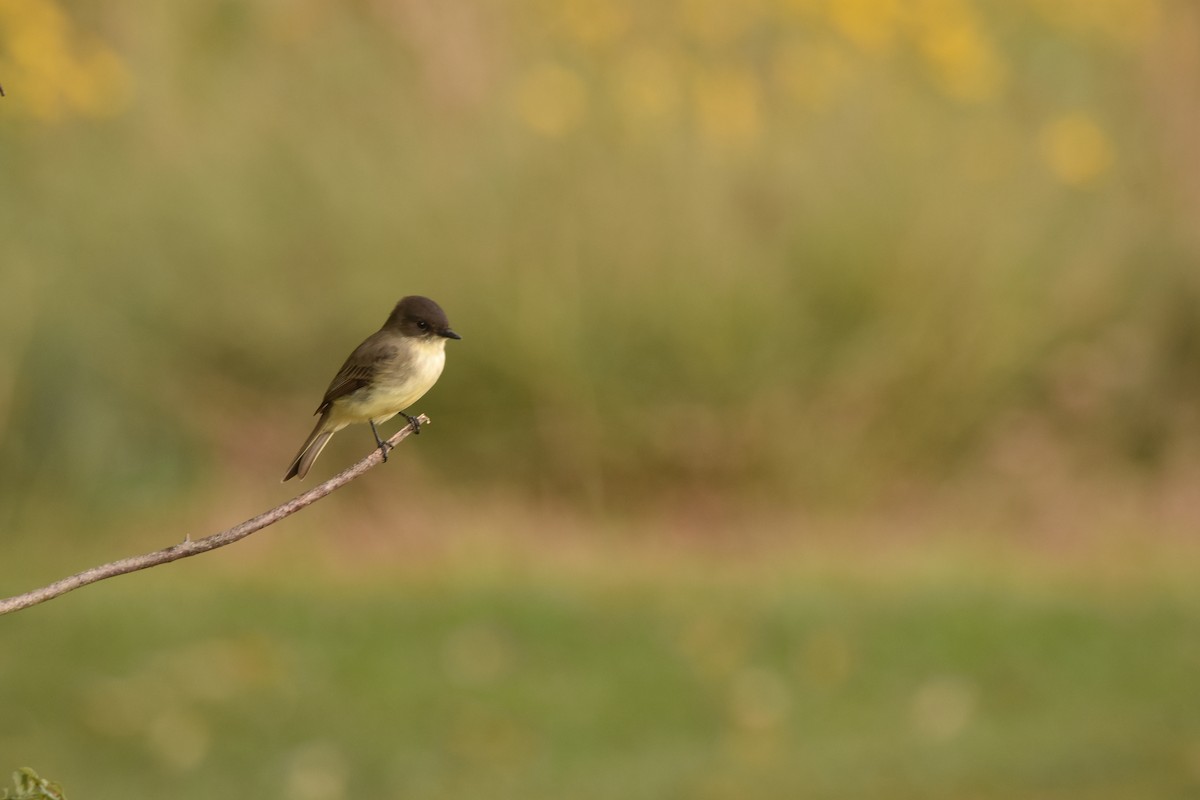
(647, 86)
(965, 64)
(52, 71)
(728, 105)
(551, 99)
(870, 24)
(1075, 148)
(952, 42)
(595, 22)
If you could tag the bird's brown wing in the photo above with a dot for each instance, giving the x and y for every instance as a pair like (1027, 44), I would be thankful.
(358, 371)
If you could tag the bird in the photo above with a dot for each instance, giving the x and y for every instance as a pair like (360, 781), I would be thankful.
(392, 369)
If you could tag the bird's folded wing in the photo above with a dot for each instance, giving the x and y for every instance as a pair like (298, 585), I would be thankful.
(359, 370)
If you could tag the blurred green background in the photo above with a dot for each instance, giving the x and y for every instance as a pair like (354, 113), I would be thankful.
(825, 421)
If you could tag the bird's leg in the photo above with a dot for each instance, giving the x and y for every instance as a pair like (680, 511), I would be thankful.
(416, 423)
(383, 446)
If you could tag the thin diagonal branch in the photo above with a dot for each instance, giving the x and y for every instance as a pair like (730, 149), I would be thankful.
(191, 547)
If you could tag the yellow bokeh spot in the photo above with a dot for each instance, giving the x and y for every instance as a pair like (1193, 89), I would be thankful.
(595, 22)
(869, 24)
(1076, 149)
(53, 72)
(647, 87)
(551, 100)
(966, 66)
(950, 39)
(728, 105)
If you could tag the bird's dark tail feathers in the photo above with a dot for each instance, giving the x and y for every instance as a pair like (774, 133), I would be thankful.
(312, 448)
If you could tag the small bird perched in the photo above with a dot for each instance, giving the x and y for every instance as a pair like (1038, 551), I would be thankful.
(384, 375)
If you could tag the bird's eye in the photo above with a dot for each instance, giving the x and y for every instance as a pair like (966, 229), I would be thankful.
(423, 325)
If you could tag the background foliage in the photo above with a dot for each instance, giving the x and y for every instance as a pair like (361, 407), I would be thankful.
(740, 283)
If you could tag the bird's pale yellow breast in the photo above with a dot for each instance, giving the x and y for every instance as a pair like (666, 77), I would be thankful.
(395, 386)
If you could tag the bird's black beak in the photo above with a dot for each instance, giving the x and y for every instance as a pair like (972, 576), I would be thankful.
(449, 334)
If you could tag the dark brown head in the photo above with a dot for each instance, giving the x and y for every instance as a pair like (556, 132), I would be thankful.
(420, 317)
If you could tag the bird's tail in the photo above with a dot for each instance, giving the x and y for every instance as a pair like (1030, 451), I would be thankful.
(312, 448)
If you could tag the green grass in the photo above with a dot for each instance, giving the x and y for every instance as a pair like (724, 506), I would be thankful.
(551, 687)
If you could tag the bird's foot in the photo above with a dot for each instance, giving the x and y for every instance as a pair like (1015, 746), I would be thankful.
(380, 443)
(414, 421)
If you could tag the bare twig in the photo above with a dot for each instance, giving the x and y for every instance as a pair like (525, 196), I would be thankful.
(189, 547)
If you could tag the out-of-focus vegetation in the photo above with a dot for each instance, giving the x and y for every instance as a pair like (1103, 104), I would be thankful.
(765, 304)
(549, 688)
(785, 251)
(28, 785)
